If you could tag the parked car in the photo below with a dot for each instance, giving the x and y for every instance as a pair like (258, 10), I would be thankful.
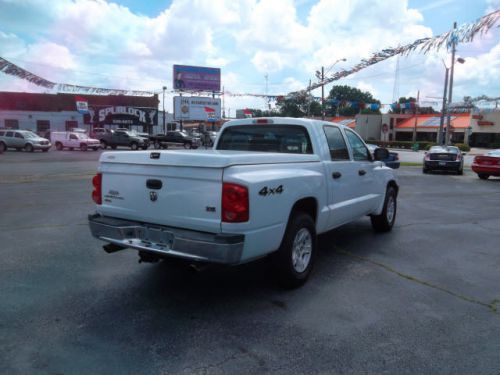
(444, 158)
(392, 161)
(174, 137)
(115, 138)
(487, 165)
(74, 140)
(97, 132)
(23, 140)
(271, 186)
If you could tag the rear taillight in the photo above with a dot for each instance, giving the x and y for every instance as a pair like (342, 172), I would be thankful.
(234, 203)
(97, 192)
(458, 157)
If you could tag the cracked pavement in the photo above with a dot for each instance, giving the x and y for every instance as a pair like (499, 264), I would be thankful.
(424, 298)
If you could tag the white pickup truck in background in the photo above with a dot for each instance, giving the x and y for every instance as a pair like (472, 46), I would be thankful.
(72, 140)
(269, 186)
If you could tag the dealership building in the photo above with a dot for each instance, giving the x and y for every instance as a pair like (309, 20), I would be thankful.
(58, 112)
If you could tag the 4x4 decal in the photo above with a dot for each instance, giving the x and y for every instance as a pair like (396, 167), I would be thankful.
(265, 191)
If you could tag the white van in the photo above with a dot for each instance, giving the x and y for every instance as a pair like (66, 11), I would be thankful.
(74, 140)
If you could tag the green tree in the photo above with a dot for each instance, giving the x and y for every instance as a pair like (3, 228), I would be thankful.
(298, 105)
(338, 94)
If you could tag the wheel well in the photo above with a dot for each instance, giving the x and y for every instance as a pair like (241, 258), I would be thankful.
(393, 184)
(307, 205)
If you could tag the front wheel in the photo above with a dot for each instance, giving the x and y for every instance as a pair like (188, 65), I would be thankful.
(295, 258)
(483, 176)
(104, 145)
(29, 148)
(83, 147)
(385, 221)
(59, 146)
(134, 146)
(187, 145)
(2, 147)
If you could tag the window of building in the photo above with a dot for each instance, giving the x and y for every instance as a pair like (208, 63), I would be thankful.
(336, 143)
(42, 126)
(11, 124)
(69, 125)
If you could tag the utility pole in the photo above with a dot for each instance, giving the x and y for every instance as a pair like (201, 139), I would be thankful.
(322, 92)
(416, 117)
(164, 88)
(443, 109)
(453, 50)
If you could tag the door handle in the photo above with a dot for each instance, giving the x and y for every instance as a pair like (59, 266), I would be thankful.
(361, 172)
(336, 175)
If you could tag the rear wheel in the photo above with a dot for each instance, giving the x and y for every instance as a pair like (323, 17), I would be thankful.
(460, 171)
(59, 146)
(28, 147)
(157, 145)
(483, 176)
(295, 258)
(2, 147)
(104, 145)
(83, 147)
(187, 145)
(385, 221)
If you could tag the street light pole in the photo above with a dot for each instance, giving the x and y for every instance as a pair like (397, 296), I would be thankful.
(164, 88)
(453, 50)
(443, 109)
(322, 92)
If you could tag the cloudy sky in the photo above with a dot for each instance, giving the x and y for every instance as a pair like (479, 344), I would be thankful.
(132, 44)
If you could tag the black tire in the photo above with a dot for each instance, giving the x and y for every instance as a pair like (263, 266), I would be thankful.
(3, 148)
(460, 172)
(83, 147)
(425, 170)
(59, 146)
(71, 148)
(95, 148)
(294, 266)
(45, 149)
(187, 145)
(145, 147)
(134, 146)
(113, 147)
(157, 145)
(385, 221)
(28, 148)
(104, 145)
(483, 176)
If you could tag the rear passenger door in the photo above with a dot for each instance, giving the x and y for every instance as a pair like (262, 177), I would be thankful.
(363, 167)
(342, 178)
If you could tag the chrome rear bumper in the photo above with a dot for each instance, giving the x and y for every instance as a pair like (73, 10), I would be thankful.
(168, 241)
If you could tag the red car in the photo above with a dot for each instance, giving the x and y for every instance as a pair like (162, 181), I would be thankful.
(487, 165)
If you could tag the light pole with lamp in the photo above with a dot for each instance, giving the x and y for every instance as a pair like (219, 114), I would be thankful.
(321, 77)
(164, 88)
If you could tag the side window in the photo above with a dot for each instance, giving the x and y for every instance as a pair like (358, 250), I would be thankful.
(336, 143)
(2, 133)
(18, 135)
(359, 150)
(72, 136)
(9, 134)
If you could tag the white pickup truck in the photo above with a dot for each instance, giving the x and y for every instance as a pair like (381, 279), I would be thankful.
(269, 186)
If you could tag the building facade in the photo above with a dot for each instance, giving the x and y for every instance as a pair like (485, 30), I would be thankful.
(57, 112)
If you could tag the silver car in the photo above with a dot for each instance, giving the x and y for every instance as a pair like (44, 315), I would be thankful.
(23, 140)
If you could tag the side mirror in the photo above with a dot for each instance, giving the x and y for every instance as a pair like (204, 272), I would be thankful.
(381, 153)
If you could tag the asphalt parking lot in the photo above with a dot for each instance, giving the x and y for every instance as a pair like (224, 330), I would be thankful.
(423, 299)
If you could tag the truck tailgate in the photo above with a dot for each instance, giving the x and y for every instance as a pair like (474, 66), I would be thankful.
(189, 197)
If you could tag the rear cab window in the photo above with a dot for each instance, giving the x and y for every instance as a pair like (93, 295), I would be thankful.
(336, 143)
(289, 139)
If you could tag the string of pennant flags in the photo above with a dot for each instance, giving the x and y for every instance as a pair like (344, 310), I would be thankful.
(463, 34)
